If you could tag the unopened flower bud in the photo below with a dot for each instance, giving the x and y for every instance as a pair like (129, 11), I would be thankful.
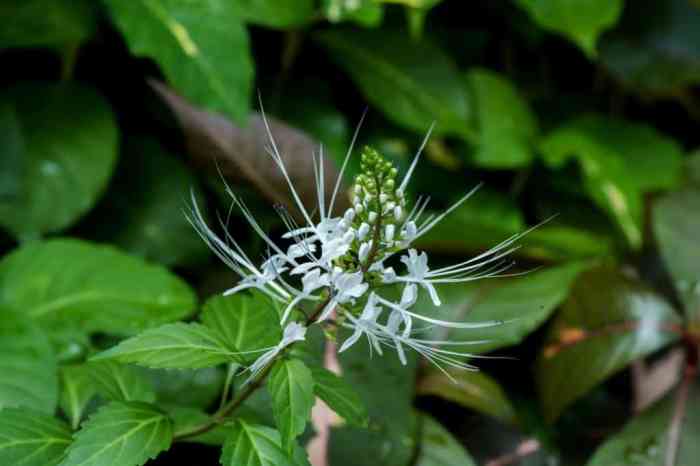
(389, 232)
(383, 198)
(398, 212)
(364, 251)
(349, 215)
(362, 231)
(372, 217)
(359, 208)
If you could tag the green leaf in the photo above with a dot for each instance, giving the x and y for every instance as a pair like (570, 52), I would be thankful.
(581, 21)
(620, 162)
(368, 13)
(644, 440)
(27, 364)
(677, 234)
(607, 322)
(276, 14)
(386, 388)
(656, 49)
(30, 438)
(439, 447)
(120, 434)
(413, 83)
(119, 382)
(189, 50)
(186, 418)
(77, 390)
(143, 214)
(102, 290)
(193, 388)
(507, 128)
(474, 390)
(245, 321)
(70, 147)
(340, 396)
(37, 23)
(253, 445)
(523, 303)
(172, 346)
(292, 389)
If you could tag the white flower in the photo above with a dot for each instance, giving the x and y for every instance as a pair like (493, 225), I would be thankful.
(293, 332)
(346, 287)
(311, 282)
(364, 324)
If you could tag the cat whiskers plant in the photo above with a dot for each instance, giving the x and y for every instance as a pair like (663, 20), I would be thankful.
(340, 261)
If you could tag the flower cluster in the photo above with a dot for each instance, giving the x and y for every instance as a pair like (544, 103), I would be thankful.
(338, 263)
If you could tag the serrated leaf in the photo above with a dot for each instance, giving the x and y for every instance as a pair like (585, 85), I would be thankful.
(439, 447)
(607, 322)
(581, 21)
(276, 14)
(70, 148)
(119, 382)
(189, 50)
(245, 321)
(143, 214)
(507, 128)
(253, 445)
(340, 396)
(172, 346)
(193, 388)
(186, 418)
(27, 364)
(413, 85)
(471, 389)
(291, 386)
(620, 162)
(677, 233)
(644, 440)
(120, 434)
(102, 290)
(37, 23)
(31, 438)
(77, 390)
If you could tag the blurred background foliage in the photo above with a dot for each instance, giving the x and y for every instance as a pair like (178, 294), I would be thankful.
(111, 111)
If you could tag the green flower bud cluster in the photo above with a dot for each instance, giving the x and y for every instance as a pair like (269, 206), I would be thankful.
(377, 210)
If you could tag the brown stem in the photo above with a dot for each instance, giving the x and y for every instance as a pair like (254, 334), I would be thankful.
(676, 427)
(219, 416)
(524, 448)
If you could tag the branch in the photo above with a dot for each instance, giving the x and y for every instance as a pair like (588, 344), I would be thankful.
(220, 415)
(524, 448)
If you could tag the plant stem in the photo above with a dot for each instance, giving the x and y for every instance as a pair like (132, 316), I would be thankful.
(224, 411)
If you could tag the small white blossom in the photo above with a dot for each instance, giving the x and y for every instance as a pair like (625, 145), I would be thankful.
(293, 332)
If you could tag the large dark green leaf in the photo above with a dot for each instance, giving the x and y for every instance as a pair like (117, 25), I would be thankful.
(70, 147)
(386, 389)
(620, 161)
(644, 440)
(196, 388)
(413, 83)
(120, 434)
(340, 396)
(172, 346)
(276, 14)
(245, 321)
(471, 389)
(439, 447)
(30, 438)
(678, 234)
(291, 387)
(523, 303)
(507, 128)
(202, 48)
(581, 21)
(27, 365)
(98, 287)
(144, 214)
(38, 23)
(657, 48)
(607, 322)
